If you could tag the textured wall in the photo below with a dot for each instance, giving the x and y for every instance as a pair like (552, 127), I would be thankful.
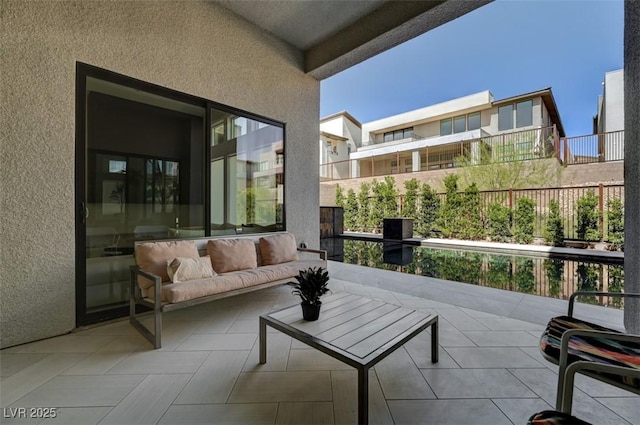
(194, 47)
(632, 162)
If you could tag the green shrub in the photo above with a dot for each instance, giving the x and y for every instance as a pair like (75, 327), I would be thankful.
(449, 213)
(429, 210)
(351, 211)
(385, 201)
(615, 219)
(588, 217)
(362, 221)
(554, 231)
(469, 224)
(409, 204)
(340, 200)
(523, 220)
(499, 222)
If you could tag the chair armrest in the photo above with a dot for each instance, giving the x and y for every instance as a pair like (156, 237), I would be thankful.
(596, 293)
(157, 284)
(322, 252)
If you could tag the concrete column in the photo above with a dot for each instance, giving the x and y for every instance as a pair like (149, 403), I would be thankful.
(415, 161)
(632, 163)
(355, 168)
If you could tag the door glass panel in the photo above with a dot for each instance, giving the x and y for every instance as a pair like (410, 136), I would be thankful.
(247, 175)
(144, 180)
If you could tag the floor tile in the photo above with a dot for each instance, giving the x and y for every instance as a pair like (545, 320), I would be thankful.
(502, 338)
(224, 414)
(148, 402)
(278, 346)
(419, 348)
(595, 388)
(461, 320)
(345, 399)
(310, 413)
(490, 357)
(214, 380)
(519, 410)
(449, 336)
(507, 324)
(96, 363)
(12, 363)
(401, 379)
(258, 387)
(627, 407)
(71, 343)
(475, 383)
(310, 359)
(81, 391)
(446, 412)
(31, 377)
(158, 362)
(78, 416)
(218, 342)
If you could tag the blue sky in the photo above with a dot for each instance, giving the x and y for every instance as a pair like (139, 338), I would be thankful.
(509, 47)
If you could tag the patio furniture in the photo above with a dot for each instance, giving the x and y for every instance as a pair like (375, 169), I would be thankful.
(232, 266)
(601, 353)
(553, 417)
(356, 330)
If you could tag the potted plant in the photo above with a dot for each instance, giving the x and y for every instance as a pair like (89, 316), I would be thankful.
(310, 286)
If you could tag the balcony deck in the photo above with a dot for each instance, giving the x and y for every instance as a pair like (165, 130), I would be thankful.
(490, 370)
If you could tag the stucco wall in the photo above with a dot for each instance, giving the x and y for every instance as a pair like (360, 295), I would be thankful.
(194, 47)
(614, 101)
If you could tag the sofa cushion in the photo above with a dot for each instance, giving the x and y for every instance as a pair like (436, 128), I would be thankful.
(274, 272)
(184, 291)
(184, 268)
(280, 248)
(153, 256)
(228, 255)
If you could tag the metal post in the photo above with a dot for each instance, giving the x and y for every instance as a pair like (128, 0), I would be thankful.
(263, 341)
(601, 209)
(363, 395)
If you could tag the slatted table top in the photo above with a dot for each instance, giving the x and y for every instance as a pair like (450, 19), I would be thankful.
(358, 330)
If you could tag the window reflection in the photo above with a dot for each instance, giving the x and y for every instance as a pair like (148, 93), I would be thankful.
(247, 175)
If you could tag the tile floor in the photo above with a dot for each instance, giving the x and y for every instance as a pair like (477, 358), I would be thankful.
(490, 370)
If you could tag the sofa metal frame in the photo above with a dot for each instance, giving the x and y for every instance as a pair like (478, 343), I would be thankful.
(567, 371)
(158, 307)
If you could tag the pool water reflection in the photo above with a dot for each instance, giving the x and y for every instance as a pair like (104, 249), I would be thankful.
(549, 277)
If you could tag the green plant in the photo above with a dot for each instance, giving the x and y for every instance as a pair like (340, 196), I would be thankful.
(554, 231)
(449, 213)
(588, 217)
(615, 218)
(429, 209)
(409, 204)
(351, 210)
(362, 221)
(523, 220)
(469, 224)
(554, 270)
(340, 199)
(499, 222)
(311, 285)
(385, 201)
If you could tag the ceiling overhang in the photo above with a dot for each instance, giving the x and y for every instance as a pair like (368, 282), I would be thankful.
(335, 35)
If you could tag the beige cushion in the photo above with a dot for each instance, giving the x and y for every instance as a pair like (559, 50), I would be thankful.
(228, 255)
(153, 256)
(183, 268)
(276, 249)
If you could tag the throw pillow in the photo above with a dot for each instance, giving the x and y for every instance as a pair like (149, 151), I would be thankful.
(280, 248)
(229, 255)
(181, 269)
(153, 256)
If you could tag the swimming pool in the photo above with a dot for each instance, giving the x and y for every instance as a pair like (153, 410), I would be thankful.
(549, 277)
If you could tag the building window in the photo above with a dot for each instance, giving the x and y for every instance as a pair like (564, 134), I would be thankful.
(460, 124)
(445, 127)
(505, 117)
(473, 121)
(405, 133)
(524, 113)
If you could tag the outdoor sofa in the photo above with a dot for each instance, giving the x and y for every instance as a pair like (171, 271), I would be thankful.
(174, 274)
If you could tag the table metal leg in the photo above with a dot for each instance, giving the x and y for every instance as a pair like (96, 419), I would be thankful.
(263, 341)
(434, 342)
(363, 396)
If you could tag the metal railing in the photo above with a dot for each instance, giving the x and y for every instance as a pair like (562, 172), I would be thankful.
(532, 144)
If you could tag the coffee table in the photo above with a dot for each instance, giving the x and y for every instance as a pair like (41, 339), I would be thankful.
(356, 330)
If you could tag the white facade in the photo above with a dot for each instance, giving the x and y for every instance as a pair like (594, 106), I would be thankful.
(433, 137)
(610, 116)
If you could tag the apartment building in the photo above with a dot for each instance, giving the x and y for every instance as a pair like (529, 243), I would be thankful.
(525, 126)
(609, 120)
